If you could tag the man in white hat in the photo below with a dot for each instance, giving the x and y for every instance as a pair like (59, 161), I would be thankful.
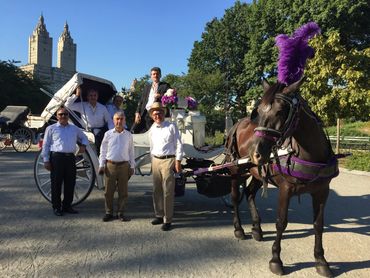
(166, 151)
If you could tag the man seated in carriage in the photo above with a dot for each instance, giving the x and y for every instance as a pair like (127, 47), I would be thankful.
(94, 114)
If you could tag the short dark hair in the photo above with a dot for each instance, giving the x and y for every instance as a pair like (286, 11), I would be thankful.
(158, 69)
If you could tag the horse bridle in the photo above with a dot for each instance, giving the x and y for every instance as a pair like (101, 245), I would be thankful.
(279, 136)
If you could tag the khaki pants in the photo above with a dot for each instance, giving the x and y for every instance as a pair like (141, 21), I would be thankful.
(116, 177)
(163, 188)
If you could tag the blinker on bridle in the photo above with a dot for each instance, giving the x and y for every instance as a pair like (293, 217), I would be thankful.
(279, 136)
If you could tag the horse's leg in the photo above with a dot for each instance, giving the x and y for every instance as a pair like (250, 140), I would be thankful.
(276, 265)
(238, 232)
(318, 201)
(251, 192)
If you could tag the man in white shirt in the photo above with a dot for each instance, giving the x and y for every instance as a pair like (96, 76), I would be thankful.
(117, 163)
(58, 152)
(166, 150)
(115, 106)
(94, 115)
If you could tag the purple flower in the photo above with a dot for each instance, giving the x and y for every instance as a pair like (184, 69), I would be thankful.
(192, 103)
(170, 98)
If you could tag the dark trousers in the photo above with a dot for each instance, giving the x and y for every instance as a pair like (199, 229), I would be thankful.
(99, 138)
(63, 172)
(144, 125)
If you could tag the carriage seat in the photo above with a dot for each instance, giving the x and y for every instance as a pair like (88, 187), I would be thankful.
(14, 115)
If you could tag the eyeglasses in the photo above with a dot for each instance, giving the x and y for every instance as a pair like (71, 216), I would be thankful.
(157, 114)
(63, 114)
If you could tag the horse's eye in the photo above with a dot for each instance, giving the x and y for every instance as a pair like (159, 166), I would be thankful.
(266, 108)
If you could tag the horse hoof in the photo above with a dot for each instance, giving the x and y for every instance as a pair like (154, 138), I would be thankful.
(276, 268)
(324, 270)
(257, 234)
(239, 234)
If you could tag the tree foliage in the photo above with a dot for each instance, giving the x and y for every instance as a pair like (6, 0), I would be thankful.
(240, 47)
(220, 53)
(338, 80)
(18, 88)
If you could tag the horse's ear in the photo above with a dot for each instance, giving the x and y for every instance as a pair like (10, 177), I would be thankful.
(265, 85)
(254, 113)
(294, 86)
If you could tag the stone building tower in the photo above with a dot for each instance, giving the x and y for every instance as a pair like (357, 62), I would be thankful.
(40, 52)
(66, 51)
(40, 46)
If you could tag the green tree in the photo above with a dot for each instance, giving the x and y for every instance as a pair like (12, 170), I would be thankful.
(338, 80)
(18, 88)
(221, 51)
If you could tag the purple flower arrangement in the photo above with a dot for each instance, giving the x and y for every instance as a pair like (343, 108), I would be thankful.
(169, 99)
(192, 103)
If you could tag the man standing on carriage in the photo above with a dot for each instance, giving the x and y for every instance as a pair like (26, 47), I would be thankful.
(94, 114)
(166, 150)
(152, 92)
(58, 152)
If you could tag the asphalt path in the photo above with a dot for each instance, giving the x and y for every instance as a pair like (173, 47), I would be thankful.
(35, 243)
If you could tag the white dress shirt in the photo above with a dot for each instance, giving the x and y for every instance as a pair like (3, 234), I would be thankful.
(60, 138)
(93, 117)
(151, 98)
(117, 146)
(112, 109)
(165, 140)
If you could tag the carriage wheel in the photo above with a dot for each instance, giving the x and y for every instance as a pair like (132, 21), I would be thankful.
(85, 178)
(22, 139)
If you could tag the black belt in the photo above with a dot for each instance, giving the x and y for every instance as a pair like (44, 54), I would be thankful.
(62, 154)
(164, 157)
(116, 162)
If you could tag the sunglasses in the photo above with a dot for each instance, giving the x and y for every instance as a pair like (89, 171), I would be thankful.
(63, 114)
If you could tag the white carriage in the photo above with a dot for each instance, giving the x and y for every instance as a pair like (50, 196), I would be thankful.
(191, 126)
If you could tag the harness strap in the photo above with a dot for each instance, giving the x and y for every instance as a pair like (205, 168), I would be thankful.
(305, 170)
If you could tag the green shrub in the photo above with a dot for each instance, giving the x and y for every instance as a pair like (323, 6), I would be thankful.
(351, 129)
(216, 140)
(358, 161)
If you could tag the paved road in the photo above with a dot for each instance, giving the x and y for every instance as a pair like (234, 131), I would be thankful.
(35, 243)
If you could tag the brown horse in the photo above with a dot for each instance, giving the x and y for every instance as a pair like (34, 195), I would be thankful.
(283, 120)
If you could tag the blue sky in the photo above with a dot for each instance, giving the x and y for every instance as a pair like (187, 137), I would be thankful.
(116, 39)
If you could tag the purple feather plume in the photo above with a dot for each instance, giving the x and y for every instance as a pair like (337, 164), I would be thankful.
(294, 52)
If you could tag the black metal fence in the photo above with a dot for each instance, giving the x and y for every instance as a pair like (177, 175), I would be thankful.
(351, 142)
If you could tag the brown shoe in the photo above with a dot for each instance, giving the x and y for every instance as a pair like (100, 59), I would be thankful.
(157, 221)
(124, 218)
(70, 210)
(108, 217)
(166, 227)
(58, 212)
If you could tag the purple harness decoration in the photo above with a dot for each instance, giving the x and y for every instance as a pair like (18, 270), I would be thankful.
(306, 170)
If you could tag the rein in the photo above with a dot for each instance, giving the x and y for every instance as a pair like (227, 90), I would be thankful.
(290, 165)
(289, 126)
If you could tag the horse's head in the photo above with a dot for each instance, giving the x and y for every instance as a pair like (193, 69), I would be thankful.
(277, 118)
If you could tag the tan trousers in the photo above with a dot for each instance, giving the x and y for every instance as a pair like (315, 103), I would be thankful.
(116, 177)
(163, 188)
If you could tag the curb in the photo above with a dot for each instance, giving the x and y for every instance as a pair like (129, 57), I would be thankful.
(354, 172)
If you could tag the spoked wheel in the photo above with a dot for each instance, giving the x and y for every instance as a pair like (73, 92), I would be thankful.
(85, 178)
(22, 139)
